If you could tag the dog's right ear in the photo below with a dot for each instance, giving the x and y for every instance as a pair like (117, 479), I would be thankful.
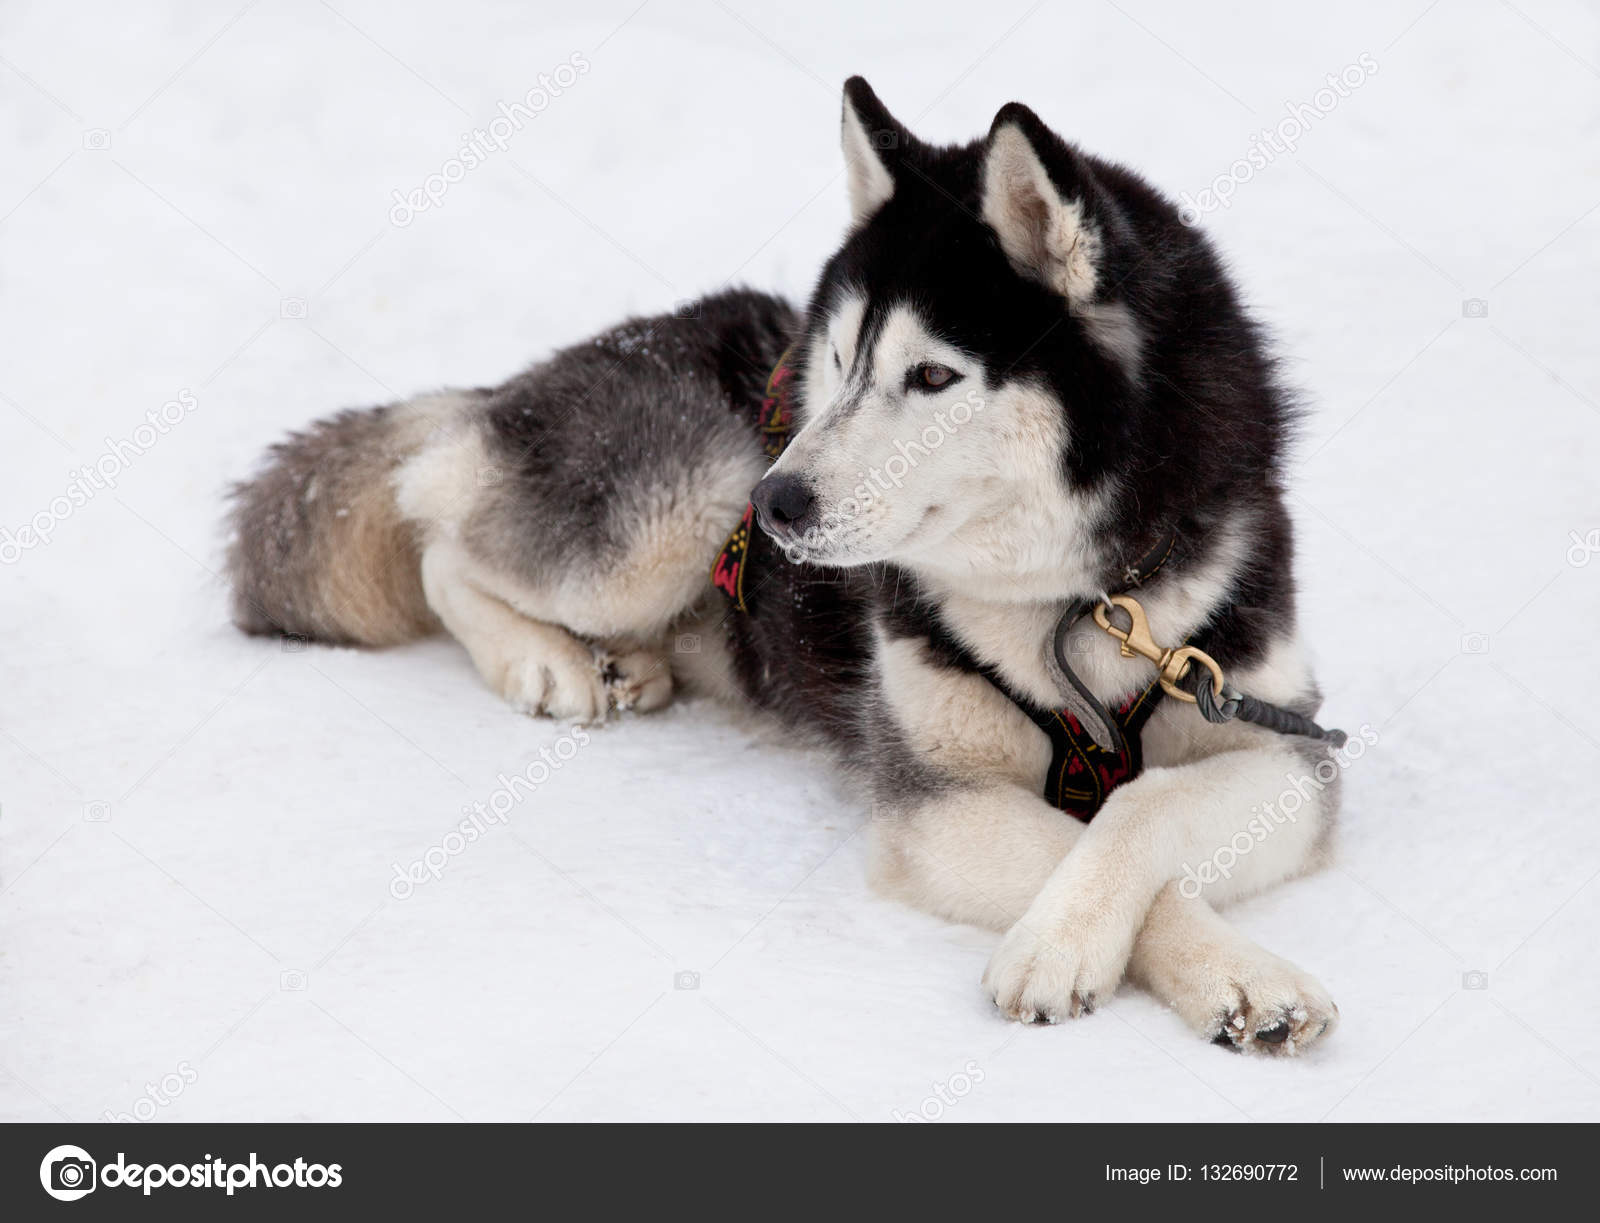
(1041, 200)
(873, 142)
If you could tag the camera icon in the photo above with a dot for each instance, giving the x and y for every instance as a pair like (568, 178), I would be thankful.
(1475, 978)
(292, 307)
(883, 138)
(488, 477)
(686, 643)
(685, 980)
(1584, 548)
(97, 812)
(1475, 643)
(686, 309)
(292, 980)
(1080, 643)
(293, 643)
(67, 1173)
(70, 1173)
(97, 140)
(1475, 307)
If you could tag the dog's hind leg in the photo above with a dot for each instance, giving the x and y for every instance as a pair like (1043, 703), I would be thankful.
(537, 666)
(569, 610)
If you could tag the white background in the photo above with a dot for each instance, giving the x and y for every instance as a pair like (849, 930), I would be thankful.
(257, 798)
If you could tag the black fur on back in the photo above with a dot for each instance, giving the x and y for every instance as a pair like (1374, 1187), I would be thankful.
(637, 407)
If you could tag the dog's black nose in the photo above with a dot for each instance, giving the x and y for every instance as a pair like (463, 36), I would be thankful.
(783, 502)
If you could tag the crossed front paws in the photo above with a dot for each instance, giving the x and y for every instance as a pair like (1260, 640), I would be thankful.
(1057, 965)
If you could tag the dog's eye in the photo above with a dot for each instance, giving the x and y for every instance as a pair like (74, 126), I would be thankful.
(931, 377)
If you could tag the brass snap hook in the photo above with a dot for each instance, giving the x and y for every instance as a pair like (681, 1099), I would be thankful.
(1137, 641)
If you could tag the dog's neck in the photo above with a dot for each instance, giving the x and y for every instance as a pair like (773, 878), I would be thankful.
(1022, 554)
(1009, 624)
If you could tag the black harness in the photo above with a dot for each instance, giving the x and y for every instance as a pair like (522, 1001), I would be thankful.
(1083, 773)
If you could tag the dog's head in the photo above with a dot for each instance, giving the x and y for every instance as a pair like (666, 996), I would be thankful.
(971, 356)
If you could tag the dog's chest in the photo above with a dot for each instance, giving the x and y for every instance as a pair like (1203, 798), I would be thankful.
(1017, 641)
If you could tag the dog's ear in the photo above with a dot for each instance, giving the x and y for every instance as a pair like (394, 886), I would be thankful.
(1040, 198)
(873, 143)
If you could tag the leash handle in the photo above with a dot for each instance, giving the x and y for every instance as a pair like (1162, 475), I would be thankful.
(1084, 705)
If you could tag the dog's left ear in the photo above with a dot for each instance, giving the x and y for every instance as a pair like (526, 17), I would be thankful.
(873, 142)
(1041, 200)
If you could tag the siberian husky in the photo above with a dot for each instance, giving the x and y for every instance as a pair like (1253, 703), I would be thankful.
(1020, 383)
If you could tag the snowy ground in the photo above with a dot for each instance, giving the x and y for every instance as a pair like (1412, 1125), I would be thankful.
(198, 830)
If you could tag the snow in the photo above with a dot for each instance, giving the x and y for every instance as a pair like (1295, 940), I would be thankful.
(199, 830)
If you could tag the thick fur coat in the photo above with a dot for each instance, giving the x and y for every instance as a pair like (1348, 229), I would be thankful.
(1018, 370)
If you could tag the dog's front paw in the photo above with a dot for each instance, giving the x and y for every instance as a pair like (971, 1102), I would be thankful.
(1049, 969)
(1277, 1010)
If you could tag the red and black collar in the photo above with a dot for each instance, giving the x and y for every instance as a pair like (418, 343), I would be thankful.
(774, 420)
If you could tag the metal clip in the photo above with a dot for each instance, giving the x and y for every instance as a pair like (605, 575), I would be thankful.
(1136, 641)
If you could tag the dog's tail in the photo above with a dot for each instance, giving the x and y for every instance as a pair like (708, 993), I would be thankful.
(319, 548)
